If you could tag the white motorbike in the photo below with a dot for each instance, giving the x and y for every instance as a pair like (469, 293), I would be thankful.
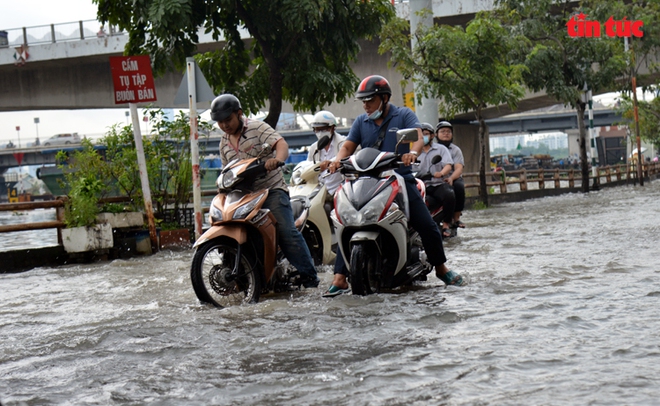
(317, 230)
(371, 215)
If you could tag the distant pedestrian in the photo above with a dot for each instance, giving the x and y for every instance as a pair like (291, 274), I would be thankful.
(101, 33)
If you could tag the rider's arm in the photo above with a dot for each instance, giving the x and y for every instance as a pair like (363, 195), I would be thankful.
(281, 154)
(458, 171)
(347, 148)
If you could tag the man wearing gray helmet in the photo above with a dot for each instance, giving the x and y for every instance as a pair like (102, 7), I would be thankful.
(445, 133)
(243, 139)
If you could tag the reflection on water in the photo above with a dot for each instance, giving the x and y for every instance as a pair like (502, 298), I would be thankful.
(27, 239)
(561, 309)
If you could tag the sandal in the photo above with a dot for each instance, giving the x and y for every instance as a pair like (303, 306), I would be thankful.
(458, 224)
(446, 233)
(452, 278)
(335, 291)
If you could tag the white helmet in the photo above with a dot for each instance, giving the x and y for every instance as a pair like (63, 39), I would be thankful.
(324, 118)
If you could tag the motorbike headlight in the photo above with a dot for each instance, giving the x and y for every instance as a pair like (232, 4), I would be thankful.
(296, 178)
(371, 211)
(215, 213)
(345, 211)
(227, 179)
(243, 211)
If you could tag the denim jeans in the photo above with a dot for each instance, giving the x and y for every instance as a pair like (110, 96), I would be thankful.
(289, 239)
(422, 222)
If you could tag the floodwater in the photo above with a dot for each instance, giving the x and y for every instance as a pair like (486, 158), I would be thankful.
(561, 310)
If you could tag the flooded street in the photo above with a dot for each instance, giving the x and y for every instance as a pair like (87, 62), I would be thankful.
(561, 309)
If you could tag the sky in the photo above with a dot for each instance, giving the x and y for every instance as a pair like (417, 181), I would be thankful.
(94, 123)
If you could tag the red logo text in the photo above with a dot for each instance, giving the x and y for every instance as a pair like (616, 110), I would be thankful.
(579, 26)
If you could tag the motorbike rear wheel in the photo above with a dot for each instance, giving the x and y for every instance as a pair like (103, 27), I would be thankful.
(212, 279)
(364, 275)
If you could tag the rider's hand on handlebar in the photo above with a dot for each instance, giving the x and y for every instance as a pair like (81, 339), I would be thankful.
(273, 163)
(324, 165)
(408, 159)
(333, 166)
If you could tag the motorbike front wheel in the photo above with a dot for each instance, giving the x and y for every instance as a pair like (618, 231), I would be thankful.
(365, 278)
(213, 278)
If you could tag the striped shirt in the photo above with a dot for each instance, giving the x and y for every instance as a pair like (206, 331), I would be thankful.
(253, 135)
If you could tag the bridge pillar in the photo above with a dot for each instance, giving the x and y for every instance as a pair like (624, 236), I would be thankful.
(466, 137)
(427, 109)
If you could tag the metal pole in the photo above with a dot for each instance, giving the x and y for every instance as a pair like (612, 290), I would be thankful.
(144, 177)
(640, 157)
(194, 148)
(592, 137)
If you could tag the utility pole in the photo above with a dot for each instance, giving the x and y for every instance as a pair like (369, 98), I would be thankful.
(640, 157)
(425, 108)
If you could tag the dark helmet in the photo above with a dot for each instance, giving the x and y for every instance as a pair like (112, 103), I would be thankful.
(223, 106)
(428, 127)
(371, 86)
(444, 124)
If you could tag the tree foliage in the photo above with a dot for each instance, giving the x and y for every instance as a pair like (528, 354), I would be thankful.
(563, 66)
(467, 68)
(299, 51)
(649, 117)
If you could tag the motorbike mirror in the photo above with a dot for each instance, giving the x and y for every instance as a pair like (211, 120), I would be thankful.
(407, 134)
(436, 159)
(323, 142)
(265, 150)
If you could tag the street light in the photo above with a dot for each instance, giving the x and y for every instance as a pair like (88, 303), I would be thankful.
(36, 122)
(127, 114)
(18, 131)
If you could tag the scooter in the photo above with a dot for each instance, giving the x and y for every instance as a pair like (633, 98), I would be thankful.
(237, 259)
(436, 211)
(317, 230)
(371, 215)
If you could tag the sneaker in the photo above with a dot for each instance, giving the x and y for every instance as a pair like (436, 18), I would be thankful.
(335, 291)
(310, 281)
(452, 278)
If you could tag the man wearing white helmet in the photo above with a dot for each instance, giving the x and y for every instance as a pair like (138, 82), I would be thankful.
(324, 123)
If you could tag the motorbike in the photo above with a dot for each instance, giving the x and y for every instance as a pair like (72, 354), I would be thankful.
(237, 259)
(435, 210)
(317, 230)
(371, 215)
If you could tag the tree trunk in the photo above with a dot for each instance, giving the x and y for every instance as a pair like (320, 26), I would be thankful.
(584, 163)
(274, 95)
(483, 131)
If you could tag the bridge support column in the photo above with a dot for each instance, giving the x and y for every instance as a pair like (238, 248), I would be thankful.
(426, 109)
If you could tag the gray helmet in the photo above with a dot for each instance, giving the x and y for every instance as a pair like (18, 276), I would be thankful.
(223, 106)
(444, 124)
(428, 127)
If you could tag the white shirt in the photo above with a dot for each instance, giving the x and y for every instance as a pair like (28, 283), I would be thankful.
(332, 181)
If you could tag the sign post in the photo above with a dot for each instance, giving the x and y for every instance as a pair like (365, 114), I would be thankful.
(134, 83)
(194, 89)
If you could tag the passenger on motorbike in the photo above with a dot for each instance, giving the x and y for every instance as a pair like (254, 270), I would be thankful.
(241, 136)
(438, 191)
(445, 133)
(377, 128)
(324, 123)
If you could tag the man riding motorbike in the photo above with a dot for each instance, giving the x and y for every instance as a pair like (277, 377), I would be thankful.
(445, 133)
(376, 128)
(324, 123)
(241, 135)
(438, 191)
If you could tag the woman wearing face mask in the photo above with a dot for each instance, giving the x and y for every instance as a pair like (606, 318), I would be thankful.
(438, 191)
(324, 123)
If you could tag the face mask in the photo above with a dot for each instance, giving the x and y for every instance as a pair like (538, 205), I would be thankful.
(376, 114)
(426, 140)
(320, 134)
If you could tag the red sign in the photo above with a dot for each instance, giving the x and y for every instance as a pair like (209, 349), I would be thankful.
(579, 26)
(19, 157)
(132, 79)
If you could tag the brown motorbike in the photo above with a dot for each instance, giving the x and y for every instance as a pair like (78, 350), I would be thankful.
(237, 259)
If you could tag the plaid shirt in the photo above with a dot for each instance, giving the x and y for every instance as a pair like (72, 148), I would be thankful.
(254, 134)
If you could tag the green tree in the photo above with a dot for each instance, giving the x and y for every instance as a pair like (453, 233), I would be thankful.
(299, 52)
(467, 68)
(563, 66)
(649, 117)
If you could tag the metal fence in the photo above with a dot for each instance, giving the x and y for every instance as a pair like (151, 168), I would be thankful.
(52, 33)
